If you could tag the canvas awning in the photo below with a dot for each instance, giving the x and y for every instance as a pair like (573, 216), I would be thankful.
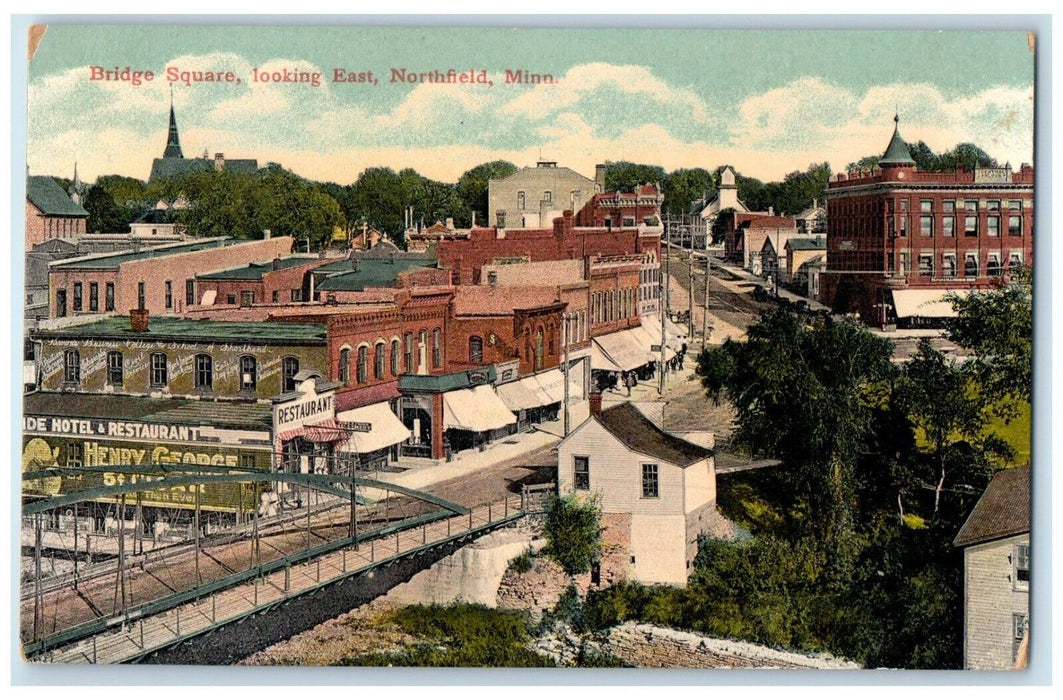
(676, 335)
(624, 350)
(925, 303)
(599, 360)
(648, 337)
(385, 429)
(325, 431)
(552, 384)
(478, 409)
(522, 394)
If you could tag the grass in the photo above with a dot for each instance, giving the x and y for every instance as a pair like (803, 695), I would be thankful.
(1015, 432)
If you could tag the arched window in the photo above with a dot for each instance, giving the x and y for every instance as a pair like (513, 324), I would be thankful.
(248, 373)
(476, 349)
(395, 351)
(539, 348)
(289, 368)
(409, 353)
(345, 366)
(363, 364)
(72, 367)
(437, 348)
(551, 332)
(204, 372)
(378, 361)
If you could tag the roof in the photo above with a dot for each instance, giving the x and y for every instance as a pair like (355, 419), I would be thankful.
(255, 271)
(157, 216)
(897, 152)
(169, 328)
(106, 262)
(639, 434)
(370, 273)
(501, 300)
(216, 414)
(173, 167)
(46, 194)
(809, 243)
(769, 221)
(1002, 511)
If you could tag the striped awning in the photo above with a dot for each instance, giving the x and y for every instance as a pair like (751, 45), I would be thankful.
(325, 431)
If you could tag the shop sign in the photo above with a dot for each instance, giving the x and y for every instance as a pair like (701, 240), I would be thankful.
(478, 376)
(308, 409)
(94, 427)
(355, 427)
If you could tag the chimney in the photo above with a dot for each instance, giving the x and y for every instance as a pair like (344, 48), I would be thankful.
(219, 161)
(450, 222)
(266, 234)
(599, 176)
(771, 211)
(473, 219)
(277, 263)
(138, 320)
(595, 399)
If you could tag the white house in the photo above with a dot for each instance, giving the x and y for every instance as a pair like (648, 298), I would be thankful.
(996, 572)
(657, 491)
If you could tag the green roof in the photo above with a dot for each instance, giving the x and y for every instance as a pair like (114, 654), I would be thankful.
(217, 414)
(169, 328)
(897, 152)
(255, 271)
(49, 197)
(174, 167)
(442, 383)
(811, 243)
(107, 262)
(370, 273)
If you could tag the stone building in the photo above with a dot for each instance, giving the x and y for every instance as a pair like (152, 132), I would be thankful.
(996, 572)
(900, 239)
(534, 197)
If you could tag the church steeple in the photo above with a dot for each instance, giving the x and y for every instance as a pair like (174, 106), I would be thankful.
(173, 141)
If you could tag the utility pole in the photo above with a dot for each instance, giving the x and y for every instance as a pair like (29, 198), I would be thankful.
(690, 297)
(567, 319)
(664, 297)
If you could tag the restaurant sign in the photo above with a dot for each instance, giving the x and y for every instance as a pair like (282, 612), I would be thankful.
(308, 409)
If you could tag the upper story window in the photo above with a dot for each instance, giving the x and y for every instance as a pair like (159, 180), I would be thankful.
(344, 373)
(926, 206)
(1015, 225)
(289, 368)
(408, 359)
(476, 349)
(395, 358)
(72, 367)
(141, 296)
(108, 297)
(248, 373)
(378, 361)
(363, 364)
(520, 200)
(437, 348)
(94, 296)
(114, 368)
(548, 196)
(190, 292)
(168, 294)
(1021, 564)
(204, 371)
(650, 481)
(77, 296)
(581, 473)
(159, 369)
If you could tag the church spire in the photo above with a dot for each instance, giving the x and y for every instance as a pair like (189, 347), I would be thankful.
(173, 142)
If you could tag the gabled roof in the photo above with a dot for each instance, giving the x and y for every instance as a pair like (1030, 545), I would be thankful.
(639, 434)
(1002, 511)
(46, 194)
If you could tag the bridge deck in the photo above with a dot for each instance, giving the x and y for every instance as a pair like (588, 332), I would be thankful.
(136, 639)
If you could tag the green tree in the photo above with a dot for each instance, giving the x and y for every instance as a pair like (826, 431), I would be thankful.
(472, 188)
(624, 176)
(377, 198)
(115, 201)
(573, 532)
(684, 186)
(965, 155)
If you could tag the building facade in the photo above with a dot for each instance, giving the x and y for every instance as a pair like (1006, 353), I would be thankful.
(532, 197)
(51, 213)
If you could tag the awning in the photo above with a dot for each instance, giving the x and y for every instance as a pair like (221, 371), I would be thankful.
(325, 431)
(650, 336)
(522, 394)
(552, 383)
(385, 429)
(478, 409)
(676, 334)
(926, 303)
(624, 350)
(599, 360)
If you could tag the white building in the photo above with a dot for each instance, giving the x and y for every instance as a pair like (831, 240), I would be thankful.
(657, 491)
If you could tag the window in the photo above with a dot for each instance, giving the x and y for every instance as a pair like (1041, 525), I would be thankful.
(902, 226)
(230, 299)
(169, 294)
(108, 297)
(408, 360)
(276, 296)
(247, 461)
(345, 366)
(992, 205)
(948, 226)
(114, 368)
(649, 481)
(1021, 562)
(1018, 631)
(476, 349)
(949, 206)
(501, 219)
(378, 361)
(204, 372)
(539, 348)
(140, 295)
(297, 295)
(60, 303)
(248, 373)
(993, 226)
(159, 373)
(190, 292)
(1015, 204)
(970, 226)
(949, 265)
(289, 368)
(1014, 225)
(520, 200)
(363, 364)
(437, 348)
(75, 454)
(970, 266)
(993, 266)
(395, 358)
(94, 296)
(77, 296)
(247, 299)
(926, 206)
(926, 265)
(548, 196)
(1015, 262)
(492, 278)
(581, 473)
(904, 205)
(72, 367)
(926, 225)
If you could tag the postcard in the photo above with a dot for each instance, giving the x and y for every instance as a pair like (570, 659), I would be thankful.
(512, 346)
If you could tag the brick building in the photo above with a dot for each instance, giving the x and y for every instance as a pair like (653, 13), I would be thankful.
(900, 239)
(745, 234)
(160, 279)
(642, 206)
(281, 280)
(50, 212)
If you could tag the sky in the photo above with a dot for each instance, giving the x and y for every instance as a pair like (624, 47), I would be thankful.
(768, 102)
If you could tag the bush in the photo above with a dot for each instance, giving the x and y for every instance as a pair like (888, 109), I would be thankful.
(573, 533)
(522, 564)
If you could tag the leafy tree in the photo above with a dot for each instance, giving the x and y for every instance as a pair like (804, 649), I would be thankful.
(115, 201)
(724, 219)
(624, 176)
(377, 198)
(684, 186)
(967, 155)
(573, 533)
(472, 188)
(997, 325)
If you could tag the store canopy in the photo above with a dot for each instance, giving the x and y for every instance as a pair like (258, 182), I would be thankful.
(599, 360)
(552, 383)
(650, 336)
(624, 350)
(676, 335)
(325, 431)
(521, 394)
(385, 429)
(925, 303)
(478, 409)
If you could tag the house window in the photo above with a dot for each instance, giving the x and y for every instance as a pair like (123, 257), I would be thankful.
(248, 373)
(1018, 632)
(345, 365)
(108, 296)
(926, 265)
(190, 292)
(1014, 225)
(72, 367)
(159, 373)
(548, 196)
(77, 296)
(140, 296)
(395, 358)
(581, 473)
(476, 349)
(408, 360)
(970, 266)
(363, 365)
(94, 296)
(993, 266)
(437, 348)
(649, 481)
(169, 294)
(520, 200)
(949, 265)
(114, 368)
(247, 299)
(378, 361)
(1021, 563)
(993, 226)
(204, 372)
(289, 368)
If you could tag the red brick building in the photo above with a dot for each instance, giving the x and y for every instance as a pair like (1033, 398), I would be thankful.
(50, 212)
(282, 280)
(900, 239)
(623, 209)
